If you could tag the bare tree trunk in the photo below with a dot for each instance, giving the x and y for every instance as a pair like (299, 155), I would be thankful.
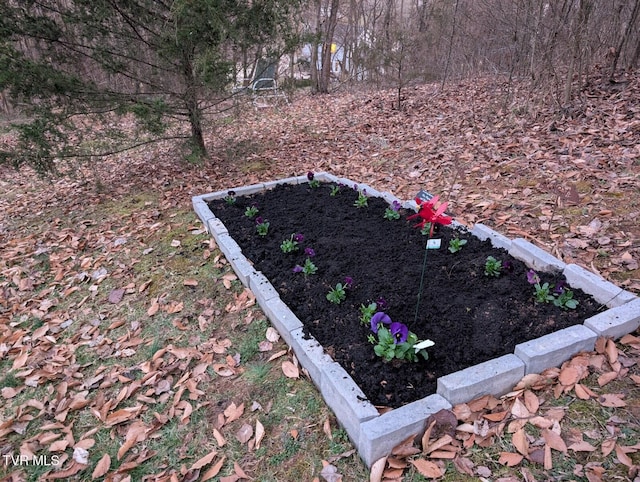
(325, 72)
(451, 39)
(625, 37)
(314, 49)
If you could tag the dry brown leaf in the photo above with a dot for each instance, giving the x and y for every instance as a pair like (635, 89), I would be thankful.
(464, 465)
(206, 460)
(213, 470)
(583, 392)
(606, 378)
(623, 458)
(569, 376)
(510, 459)
(438, 444)
(102, 467)
(427, 468)
(581, 446)
(531, 401)
(377, 470)
(239, 472)
(520, 442)
(259, 433)
(612, 351)
(519, 410)
(554, 441)
(219, 438)
(326, 428)
(290, 370)
(190, 282)
(136, 433)
(153, 309)
(612, 400)
(607, 446)
(233, 412)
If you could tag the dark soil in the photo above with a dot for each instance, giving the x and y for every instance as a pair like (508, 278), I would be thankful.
(471, 318)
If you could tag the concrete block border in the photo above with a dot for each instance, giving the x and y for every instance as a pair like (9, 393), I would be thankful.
(373, 434)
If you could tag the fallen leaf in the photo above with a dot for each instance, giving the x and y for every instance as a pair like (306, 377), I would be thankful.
(259, 433)
(520, 442)
(116, 296)
(81, 455)
(427, 468)
(290, 370)
(206, 460)
(102, 467)
(581, 446)
(554, 441)
(612, 400)
(239, 472)
(244, 433)
(190, 282)
(623, 458)
(377, 470)
(510, 459)
(213, 470)
(233, 412)
(272, 334)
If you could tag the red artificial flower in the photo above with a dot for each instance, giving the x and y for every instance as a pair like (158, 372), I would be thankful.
(429, 214)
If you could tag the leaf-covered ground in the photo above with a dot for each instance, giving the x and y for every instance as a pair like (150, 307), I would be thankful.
(129, 351)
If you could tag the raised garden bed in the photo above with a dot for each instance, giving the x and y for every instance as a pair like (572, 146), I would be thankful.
(477, 322)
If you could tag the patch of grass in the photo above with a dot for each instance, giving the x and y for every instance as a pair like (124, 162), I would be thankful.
(248, 344)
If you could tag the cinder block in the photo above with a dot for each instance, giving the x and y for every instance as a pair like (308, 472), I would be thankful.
(262, 288)
(247, 190)
(495, 377)
(346, 400)
(282, 318)
(286, 180)
(228, 246)
(369, 191)
(390, 198)
(602, 291)
(380, 435)
(498, 240)
(535, 257)
(326, 177)
(201, 209)
(310, 354)
(216, 227)
(616, 322)
(553, 349)
(243, 269)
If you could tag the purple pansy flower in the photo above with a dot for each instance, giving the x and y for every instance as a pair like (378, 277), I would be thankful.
(532, 277)
(378, 318)
(348, 281)
(259, 220)
(310, 175)
(381, 302)
(400, 332)
(297, 268)
(396, 206)
(309, 252)
(559, 289)
(298, 237)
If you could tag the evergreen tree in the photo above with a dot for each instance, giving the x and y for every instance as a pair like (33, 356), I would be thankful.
(76, 64)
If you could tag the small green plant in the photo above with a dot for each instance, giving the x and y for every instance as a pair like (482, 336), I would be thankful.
(307, 268)
(334, 191)
(565, 300)
(456, 244)
(362, 201)
(543, 293)
(492, 267)
(366, 312)
(290, 245)
(262, 226)
(338, 294)
(313, 182)
(559, 294)
(391, 213)
(230, 198)
(425, 230)
(251, 211)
